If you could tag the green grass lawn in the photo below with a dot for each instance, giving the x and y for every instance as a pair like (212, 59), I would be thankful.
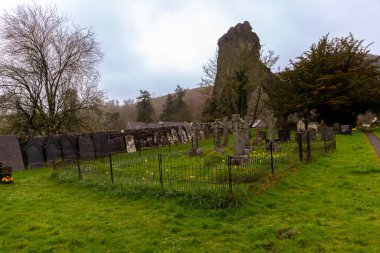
(329, 205)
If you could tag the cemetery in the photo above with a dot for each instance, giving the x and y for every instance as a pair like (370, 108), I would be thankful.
(96, 155)
(200, 166)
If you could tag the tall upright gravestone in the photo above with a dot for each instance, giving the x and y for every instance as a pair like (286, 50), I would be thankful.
(52, 150)
(86, 147)
(34, 154)
(10, 152)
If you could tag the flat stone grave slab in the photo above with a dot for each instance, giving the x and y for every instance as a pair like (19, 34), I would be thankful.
(10, 152)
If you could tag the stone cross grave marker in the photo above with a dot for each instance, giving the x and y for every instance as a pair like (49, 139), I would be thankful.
(216, 127)
(194, 129)
(238, 132)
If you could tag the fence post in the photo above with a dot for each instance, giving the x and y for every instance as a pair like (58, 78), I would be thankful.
(111, 170)
(229, 174)
(324, 143)
(271, 155)
(160, 170)
(169, 146)
(300, 145)
(78, 166)
(308, 147)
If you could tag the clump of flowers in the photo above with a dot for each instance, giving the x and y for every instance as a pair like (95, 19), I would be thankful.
(7, 179)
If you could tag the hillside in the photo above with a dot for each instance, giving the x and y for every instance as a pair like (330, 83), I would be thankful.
(195, 98)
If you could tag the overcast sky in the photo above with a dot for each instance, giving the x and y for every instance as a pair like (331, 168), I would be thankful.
(156, 44)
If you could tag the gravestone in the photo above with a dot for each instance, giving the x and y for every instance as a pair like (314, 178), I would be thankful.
(336, 128)
(182, 135)
(313, 125)
(216, 127)
(300, 126)
(345, 129)
(239, 157)
(130, 143)
(246, 135)
(164, 141)
(226, 125)
(327, 133)
(86, 147)
(170, 138)
(68, 150)
(10, 152)
(195, 150)
(201, 134)
(111, 145)
(174, 136)
(34, 154)
(52, 150)
(119, 143)
(312, 133)
(100, 143)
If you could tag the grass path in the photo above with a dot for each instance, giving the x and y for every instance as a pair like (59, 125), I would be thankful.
(332, 204)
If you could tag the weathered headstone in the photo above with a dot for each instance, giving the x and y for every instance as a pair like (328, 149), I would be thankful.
(174, 135)
(10, 152)
(52, 150)
(34, 153)
(327, 133)
(163, 140)
(130, 143)
(246, 135)
(239, 156)
(217, 126)
(226, 125)
(100, 143)
(68, 150)
(336, 128)
(86, 147)
(345, 129)
(169, 138)
(313, 125)
(195, 150)
(300, 126)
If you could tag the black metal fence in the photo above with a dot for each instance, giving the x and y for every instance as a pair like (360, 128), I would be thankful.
(212, 172)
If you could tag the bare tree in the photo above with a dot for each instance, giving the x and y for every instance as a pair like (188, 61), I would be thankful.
(209, 70)
(48, 74)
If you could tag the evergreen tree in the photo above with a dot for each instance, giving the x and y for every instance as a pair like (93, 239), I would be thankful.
(336, 77)
(175, 109)
(145, 111)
